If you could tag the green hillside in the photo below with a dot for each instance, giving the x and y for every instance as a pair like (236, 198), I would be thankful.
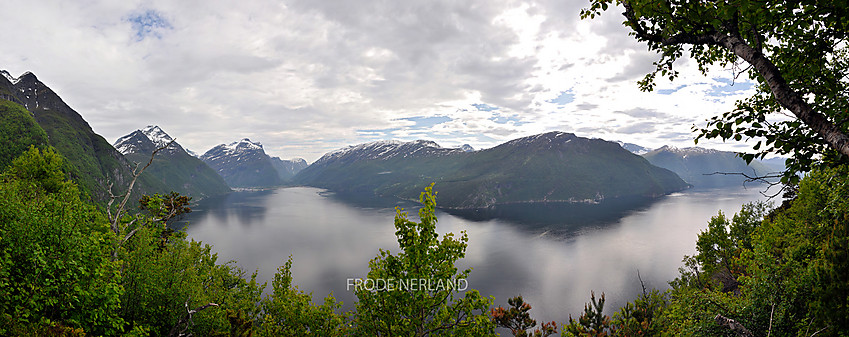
(175, 167)
(95, 161)
(184, 174)
(18, 131)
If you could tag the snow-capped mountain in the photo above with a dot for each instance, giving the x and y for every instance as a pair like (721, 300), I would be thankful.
(242, 150)
(549, 167)
(244, 163)
(146, 141)
(179, 170)
(385, 150)
(467, 148)
(286, 169)
(634, 148)
(95, 159)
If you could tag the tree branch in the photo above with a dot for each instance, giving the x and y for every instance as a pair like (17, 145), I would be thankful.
(136, 174)
(734, 326)
(731, 40)
(187, 320)
(786, 96)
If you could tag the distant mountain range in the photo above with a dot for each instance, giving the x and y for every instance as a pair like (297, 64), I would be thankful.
(703, 167)
(175, 167)
(553, 167)
(546, 168)
(245, 164)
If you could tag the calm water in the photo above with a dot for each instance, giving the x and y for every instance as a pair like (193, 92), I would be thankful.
(553, 259)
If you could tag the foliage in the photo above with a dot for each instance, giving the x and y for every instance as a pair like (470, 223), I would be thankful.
(165, 275)
(797, 53)
(54, 267)
(18, 131)
(641, 317)
(165, 207)
(593, 322)
(418, 298)
(290, 312)
(182, 172)
(519, 321)
(778, 273)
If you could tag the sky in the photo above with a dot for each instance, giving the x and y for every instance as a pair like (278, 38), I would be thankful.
(304, 77)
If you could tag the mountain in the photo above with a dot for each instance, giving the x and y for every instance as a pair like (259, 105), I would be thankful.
(696, 165)
(94, 162)
(179, 170)
(545, 168)
(243, 164)
(467, 148)
(775, 164)
(634, 148)
(286, 169)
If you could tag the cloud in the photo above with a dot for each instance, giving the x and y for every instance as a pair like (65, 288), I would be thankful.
(641, 127)
(304, 77)
(644, 113)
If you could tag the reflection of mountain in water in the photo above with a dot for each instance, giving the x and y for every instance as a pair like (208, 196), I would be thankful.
(248, 207)
(558, 218)
(553, 218)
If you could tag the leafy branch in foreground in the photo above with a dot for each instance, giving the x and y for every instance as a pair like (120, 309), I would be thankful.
(796, 52)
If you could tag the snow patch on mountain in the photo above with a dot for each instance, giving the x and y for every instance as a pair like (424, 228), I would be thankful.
(687, 150)
(384, 150)
(9, 77)
(634, 148)
(156, 135)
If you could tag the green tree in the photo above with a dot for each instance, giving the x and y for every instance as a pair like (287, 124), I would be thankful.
(518, 319)
(288, 311)
(54, 267)
(797, 53)
(782, 273)
(641, 317)
(165, 276)
(592, 323)
(413, 293)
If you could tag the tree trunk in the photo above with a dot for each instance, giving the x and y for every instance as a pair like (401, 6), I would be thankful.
(785, 95)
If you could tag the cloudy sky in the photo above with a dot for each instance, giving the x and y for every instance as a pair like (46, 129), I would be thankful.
(307, 76)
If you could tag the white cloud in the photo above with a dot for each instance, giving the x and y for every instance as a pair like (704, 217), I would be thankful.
(304, 76)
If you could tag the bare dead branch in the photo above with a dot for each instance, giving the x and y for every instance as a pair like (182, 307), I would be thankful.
(136, 174)
(114, 219)
(180, 328)
(771, 312)
(820, 330)
(765, 179)
(734, 326)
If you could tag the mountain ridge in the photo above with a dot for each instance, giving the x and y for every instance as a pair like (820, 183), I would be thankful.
(546, 167)
(96, 163)
(244, 164)
(179, 170)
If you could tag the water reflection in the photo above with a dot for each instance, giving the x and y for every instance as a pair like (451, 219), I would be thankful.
(553, 265)
(246, 207)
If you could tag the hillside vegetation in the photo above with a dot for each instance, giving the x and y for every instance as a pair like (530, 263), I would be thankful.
(96, 163)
